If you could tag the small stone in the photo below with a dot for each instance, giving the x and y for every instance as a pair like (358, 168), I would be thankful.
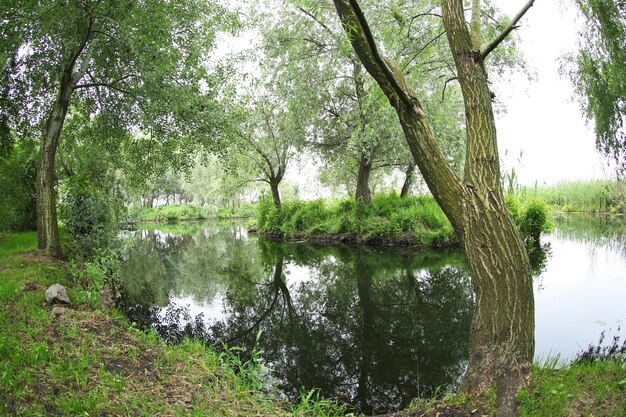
(57, 292)
(58, 311)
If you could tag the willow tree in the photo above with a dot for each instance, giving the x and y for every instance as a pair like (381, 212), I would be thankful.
(598, 75)
(263, 147)
(502, 331)
(136, 65)
(351, 125)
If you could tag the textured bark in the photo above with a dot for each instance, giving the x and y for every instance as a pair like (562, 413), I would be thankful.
(47, 227)
(409, 176)
(502, 334)
(363, 192)
(275, 193)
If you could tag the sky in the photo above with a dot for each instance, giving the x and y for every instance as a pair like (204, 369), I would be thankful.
(542, 118)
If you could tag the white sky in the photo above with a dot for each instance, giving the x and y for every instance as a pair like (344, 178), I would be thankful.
(542, 118)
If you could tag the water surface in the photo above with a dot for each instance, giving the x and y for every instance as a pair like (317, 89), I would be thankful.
(368, 326)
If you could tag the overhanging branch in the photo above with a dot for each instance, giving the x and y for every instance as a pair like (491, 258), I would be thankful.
(376, 55)
(512, 26)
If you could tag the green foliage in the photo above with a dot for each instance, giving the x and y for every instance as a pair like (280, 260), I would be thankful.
(173, 213)
(418, 219)
(532, 217)
(514, 206)
(535, 220)
(88, 215)
(597, 72)
(18, 169)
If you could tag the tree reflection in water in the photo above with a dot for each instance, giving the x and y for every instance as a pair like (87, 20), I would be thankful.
(371, 327)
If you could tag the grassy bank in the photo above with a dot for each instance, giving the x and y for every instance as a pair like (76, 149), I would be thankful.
(596, 388)
(389, 219)
(600, 196)
(87, 362)
(180, 212)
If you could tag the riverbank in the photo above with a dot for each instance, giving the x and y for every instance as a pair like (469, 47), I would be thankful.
(388, 219)
(595, 196)
(89, 362)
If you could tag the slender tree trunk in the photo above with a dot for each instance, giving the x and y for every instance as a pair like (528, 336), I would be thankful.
(47, 226)
(362, 183)
(275, 193)
(502, 333)
(409, 176)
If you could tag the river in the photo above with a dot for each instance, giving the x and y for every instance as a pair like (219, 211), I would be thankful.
(372, 327)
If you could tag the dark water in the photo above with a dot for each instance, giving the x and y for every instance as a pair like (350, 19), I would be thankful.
(371, 327)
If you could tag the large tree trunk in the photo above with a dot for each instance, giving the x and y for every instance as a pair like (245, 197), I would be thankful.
(409, 176)
(362, 183)
(275, 192)
(502, 334)
(47, 226)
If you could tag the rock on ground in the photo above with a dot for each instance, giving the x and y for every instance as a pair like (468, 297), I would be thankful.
(57, 292)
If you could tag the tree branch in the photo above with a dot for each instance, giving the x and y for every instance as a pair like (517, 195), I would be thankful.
(443, 93)
(369, 37)
(512, 26)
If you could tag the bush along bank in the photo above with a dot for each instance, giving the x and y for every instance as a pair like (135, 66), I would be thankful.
(388, 220)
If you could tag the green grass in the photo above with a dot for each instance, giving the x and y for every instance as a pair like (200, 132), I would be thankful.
(17, 242)
(579, 389)
(599, 196)
(87, 362)
(389, 219)
(417, 220)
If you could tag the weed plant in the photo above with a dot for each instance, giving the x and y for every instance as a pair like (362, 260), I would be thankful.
(600, 196)
(597, 353)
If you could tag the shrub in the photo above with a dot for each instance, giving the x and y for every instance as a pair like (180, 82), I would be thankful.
(514, 206)
(87, 215)
(535, 220)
